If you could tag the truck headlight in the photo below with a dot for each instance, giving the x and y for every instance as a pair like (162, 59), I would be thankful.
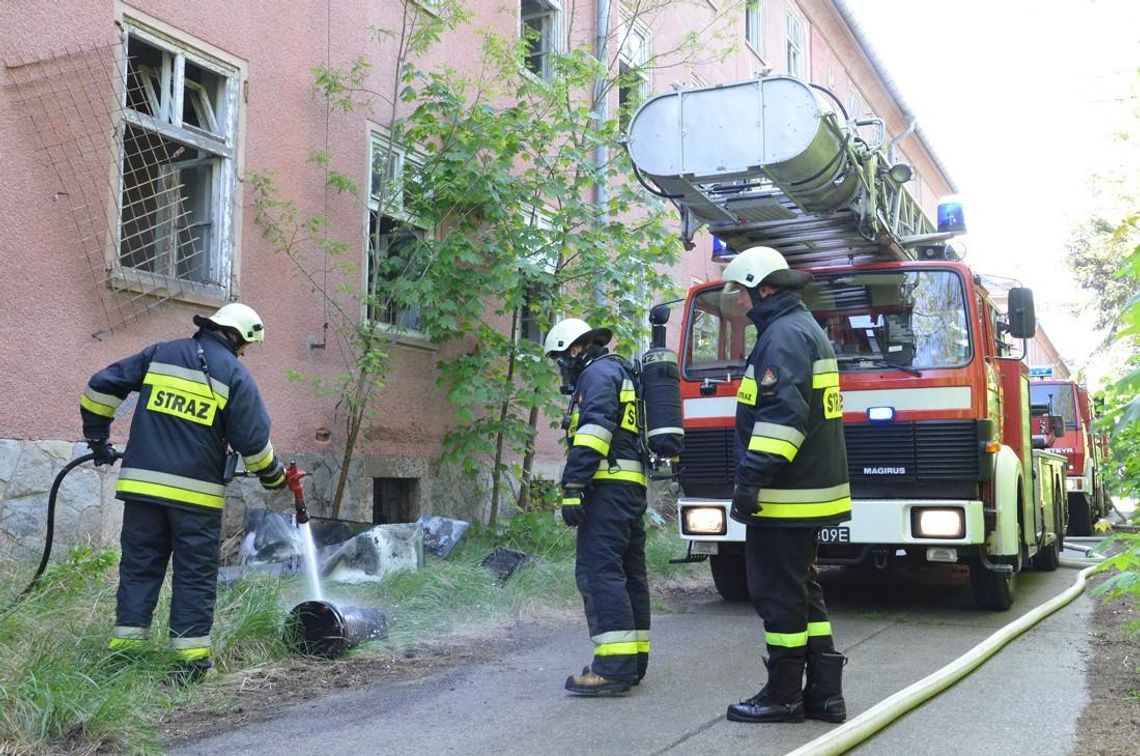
(928, 522)
(703, 521)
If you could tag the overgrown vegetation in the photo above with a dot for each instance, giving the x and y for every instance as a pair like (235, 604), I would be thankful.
(61, 690)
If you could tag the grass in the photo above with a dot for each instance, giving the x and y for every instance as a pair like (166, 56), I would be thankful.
(62, 691)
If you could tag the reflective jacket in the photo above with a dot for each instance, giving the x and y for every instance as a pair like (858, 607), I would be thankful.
(183, 422)
(789, 419)
(603, 436)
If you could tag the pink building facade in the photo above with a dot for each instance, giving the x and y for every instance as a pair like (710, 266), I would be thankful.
(101, 189)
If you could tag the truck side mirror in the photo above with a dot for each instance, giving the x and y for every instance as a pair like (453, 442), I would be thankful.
(1022, 319)
(658, 317)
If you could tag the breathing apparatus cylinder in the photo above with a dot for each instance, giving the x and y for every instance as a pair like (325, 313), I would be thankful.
(660, 382)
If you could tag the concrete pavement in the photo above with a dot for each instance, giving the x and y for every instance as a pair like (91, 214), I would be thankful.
(896, 629)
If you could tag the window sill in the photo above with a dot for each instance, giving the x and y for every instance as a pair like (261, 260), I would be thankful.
(756, 54)
(405, 337)
(156, 285)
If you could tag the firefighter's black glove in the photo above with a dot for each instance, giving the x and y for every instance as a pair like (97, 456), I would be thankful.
(745, 504)
(572, 512)
(105, 454)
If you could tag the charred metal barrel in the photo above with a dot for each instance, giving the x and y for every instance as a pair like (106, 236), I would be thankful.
(327, 630)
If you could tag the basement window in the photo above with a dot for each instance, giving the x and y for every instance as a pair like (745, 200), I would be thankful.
(176, 182)
(395, 500)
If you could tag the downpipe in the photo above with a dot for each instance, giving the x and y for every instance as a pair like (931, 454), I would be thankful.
(855, 731)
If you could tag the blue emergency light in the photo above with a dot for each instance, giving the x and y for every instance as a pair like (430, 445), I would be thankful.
(950, 217)
(721, 252)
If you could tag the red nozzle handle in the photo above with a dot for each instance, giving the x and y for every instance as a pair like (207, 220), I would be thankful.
(293, 475)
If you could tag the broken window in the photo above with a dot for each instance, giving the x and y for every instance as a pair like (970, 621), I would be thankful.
(633, 71)
(394, 251)
(540, 23)
(176, 182)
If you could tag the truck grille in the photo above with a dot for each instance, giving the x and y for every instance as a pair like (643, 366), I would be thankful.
(913, 452)
(706, 462)
(881, 459)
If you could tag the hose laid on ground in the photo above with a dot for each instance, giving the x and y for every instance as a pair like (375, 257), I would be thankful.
(855, 731)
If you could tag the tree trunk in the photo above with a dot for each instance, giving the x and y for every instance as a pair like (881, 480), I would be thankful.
(504, 410)
(528, 461)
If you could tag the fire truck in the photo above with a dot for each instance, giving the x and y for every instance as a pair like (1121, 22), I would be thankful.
(935, 393)
(1084, 449)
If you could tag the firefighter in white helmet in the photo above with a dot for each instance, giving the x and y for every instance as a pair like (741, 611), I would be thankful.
(195, 400)
(603, 495)
(791, 478)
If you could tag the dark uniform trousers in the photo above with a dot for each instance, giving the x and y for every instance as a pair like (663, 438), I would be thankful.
(783, 587)
(610, 574)
(151, 534)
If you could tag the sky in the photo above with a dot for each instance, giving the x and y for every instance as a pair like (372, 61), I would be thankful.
(1022, 102)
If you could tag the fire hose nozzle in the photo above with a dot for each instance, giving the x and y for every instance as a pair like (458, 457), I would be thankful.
(293, 476)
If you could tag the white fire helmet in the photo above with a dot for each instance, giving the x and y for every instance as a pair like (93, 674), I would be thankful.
(762, 265)
(566, 332)
(241, 318)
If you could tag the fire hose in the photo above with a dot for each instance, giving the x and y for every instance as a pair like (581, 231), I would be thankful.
(862, 727)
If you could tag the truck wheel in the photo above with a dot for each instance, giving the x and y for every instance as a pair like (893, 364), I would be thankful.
(992, 590)
(730, 576)
(1080, 515)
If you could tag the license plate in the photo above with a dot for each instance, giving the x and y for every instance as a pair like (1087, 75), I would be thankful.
(833, 535)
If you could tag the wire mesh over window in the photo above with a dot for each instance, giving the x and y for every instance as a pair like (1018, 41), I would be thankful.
(140, 135)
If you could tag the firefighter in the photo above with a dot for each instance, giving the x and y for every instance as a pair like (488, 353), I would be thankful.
(603, 495)
(195, 399)
(791, 478)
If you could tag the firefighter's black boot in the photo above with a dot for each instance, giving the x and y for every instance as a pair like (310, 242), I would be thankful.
(823, 694)
(590, 683)
(780, 700)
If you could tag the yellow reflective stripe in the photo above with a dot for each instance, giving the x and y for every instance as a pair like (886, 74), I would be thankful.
(627, 393)
(184, 643)
(592, 442)
(614, 636)
(600, 431)
(99, 403)
(816, 629)
(805, 495)
(274, 481)
(574, 502)
(747, 393)
(773, 446)
(169, 492)
(193, 375)
(98, 409)
(774, 430)
(616, 649)
(825, 366)
(787, 640)
(642, 641)
(824, 380)
(259, 460)
(625, 476)
(804, 511)
(118, 644)
(193, 654)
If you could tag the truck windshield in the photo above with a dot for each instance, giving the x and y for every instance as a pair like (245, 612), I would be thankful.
(1058, 396)
(911, 318)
